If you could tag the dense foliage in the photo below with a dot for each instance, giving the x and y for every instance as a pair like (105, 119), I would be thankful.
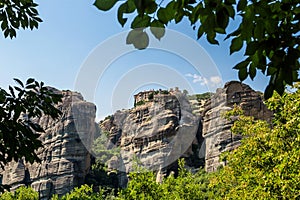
(267, 164)
(21, 193)
(15, 14)
(143, 185)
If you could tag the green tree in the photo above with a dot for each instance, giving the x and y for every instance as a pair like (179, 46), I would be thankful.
(19, 109)
(268, 29)
(83, 192)
(267, 164)
(15, 14)
(143, 185)
(20, 194)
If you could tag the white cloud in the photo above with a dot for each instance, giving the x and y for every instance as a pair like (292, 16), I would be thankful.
(197, 79)
(215, 80)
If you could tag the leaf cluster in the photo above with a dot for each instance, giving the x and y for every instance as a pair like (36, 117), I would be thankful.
(15, 14)
(143, 185)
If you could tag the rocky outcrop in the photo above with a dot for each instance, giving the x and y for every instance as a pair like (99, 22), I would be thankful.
(65, 159)
(161, 127)
(216, 129)
(156, 132)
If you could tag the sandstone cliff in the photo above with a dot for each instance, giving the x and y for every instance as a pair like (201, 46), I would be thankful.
(157, 131)
(216, 130)
(162, 127)
(65, 161)
(166, 127)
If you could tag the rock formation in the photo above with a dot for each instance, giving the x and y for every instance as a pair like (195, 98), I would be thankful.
(157, 131)
(216, 130)
(65, 160)
(161, 127)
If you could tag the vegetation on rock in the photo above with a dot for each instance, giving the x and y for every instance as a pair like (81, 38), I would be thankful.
(19, 131)
(267, 164)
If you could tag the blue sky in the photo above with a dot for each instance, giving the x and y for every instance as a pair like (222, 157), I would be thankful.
(73, 31)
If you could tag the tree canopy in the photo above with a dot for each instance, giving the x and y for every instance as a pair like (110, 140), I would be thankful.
(269, 30)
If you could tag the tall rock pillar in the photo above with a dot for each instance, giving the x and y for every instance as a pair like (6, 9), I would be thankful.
(216, 130)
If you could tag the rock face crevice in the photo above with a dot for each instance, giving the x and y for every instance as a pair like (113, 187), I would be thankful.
(65, 159)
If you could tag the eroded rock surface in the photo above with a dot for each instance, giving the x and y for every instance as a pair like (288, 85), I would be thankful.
(157, 131)
(216, 130)
(65, 160)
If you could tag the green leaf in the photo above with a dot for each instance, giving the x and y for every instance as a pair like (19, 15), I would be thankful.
(222, 18)
(138, 38)
(6, 33)
(243, 74)
(271, 70)
(242, 64)
(251, 48)
(4, 25)
(252, 71)
(19, 82)
(270, 26)
(234, 33)
(139, 5)
(241, 5)
(151, 7)
(29, 81)
(140, 21)
(12, 33)
(259, 30)
(105, 5)
(166, 14)
(157, 29)
(236, 44)
(230, 10)
(211, 38)
(220, 30)
(200, 32)
(179, 15)
(127, 7)
(12, 91)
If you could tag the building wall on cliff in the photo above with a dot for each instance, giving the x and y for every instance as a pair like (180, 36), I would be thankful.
(65, 157)
(216, 130)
